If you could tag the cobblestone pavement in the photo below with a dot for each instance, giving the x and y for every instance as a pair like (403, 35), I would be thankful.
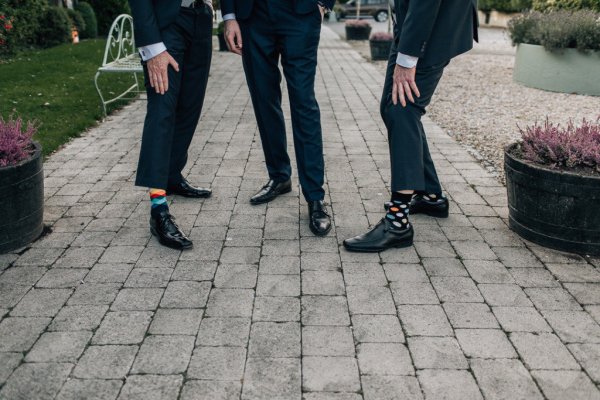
(261, 309)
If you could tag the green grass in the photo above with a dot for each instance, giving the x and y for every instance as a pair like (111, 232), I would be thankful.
(55, 87)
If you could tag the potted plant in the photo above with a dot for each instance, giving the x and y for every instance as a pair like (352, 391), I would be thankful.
(558, 50)
(21, 185)
(380, 43)
(553, 183)
(221, 36)
(358, 29)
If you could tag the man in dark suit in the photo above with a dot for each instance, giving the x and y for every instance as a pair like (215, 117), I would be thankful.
(427, 35)
(175, 43)
(263, 32)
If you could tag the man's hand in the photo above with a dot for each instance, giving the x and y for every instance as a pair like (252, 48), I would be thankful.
(158, 68)
(404, 85)
(233, 36)
(322, 9)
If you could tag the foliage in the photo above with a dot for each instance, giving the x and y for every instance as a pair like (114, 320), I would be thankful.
(89, 16)
(6, 29)
(221, 28)
(557, 30)
(567, 147)
(382, 36)
(25, 16)
(55, 27)
(107, 11)
(358, 23)
(15, 140)
(55, 87)
(552, 5)
(77, 20)
(507, 6)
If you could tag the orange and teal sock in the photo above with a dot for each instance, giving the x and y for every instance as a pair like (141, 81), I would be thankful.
(158, 200)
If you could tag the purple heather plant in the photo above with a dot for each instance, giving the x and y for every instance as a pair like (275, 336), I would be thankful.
(382, 36)
(15, 140)
(565, 147)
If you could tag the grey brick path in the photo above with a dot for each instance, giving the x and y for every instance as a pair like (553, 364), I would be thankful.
(261, 309)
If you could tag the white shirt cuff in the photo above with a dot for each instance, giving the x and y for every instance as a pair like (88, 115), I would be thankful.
(227, 17)
(407, 61)
(152, 50)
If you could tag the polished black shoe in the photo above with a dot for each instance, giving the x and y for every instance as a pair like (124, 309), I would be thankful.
(163, 226)
(382, 237)
(423, 204)
(319, 221)
(186, 190)
(270, 191)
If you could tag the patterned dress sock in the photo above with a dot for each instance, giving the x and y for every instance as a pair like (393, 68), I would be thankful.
(158, 200)
(398, 210)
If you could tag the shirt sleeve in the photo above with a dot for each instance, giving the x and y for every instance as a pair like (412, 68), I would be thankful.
(152, 50)
(228, 17)
(407, 61)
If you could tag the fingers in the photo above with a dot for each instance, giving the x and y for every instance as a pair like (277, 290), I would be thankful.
(395, 93)
(415, 89)
(407, 89)
(164, 79)
(173, 63)
(239, 40)
(402, 96)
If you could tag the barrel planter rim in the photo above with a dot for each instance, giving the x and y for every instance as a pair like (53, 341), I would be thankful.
(37, 152)
(24, 201)
(544, 170)
(565, 70)
(553, 208)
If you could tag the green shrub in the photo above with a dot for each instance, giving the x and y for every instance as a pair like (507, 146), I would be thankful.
(107, 11)
(89, 16)
(25, 16)
(552, 5)
(76, 19)
(507, 6)
(558, 29)
(55, 27)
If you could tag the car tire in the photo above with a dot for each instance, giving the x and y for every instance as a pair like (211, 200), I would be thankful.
(381, 16)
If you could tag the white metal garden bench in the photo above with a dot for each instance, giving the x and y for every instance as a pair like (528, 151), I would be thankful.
(120, 56)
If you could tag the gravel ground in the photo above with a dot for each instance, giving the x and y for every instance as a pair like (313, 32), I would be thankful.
(480, 105)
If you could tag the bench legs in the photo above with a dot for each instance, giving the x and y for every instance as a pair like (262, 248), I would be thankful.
(134, 88)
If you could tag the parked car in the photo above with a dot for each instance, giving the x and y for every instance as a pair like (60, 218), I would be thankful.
(378, 9)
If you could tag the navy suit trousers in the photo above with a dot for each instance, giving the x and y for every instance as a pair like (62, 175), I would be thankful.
(273, 33)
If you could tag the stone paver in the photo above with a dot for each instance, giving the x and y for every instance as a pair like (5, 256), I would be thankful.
(260, 308)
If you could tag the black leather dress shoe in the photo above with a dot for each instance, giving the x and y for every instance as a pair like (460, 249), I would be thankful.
(319, 221)
(186, 190)
(423, 204)
(163, 226)
(382, 237)
(270, 191)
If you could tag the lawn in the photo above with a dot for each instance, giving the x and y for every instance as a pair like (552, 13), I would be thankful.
(55, 87)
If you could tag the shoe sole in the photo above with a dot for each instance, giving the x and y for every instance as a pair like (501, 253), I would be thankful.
(167, 244)
(398, 246)
(434, 214)
(255, 203)
(206, 196)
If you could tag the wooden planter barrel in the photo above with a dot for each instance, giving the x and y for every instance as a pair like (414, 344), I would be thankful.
(380, 49)
(552, 208)
(358, 32)
(21, 202)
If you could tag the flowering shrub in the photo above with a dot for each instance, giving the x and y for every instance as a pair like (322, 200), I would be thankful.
(358, 23)
(6, 26)
(563, 147)
(15, 141)
(382, 36)
(557, 29)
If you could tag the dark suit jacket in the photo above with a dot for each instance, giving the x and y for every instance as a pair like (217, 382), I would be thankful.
(243, 8)
(435, 30)
(150, 17)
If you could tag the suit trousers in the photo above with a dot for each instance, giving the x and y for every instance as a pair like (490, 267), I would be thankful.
(172, 118)
(274, 32)
(411, 163)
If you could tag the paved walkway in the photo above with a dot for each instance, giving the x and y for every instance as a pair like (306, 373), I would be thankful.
(261, 309)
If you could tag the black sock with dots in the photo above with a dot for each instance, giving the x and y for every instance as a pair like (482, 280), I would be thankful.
(398, 210)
